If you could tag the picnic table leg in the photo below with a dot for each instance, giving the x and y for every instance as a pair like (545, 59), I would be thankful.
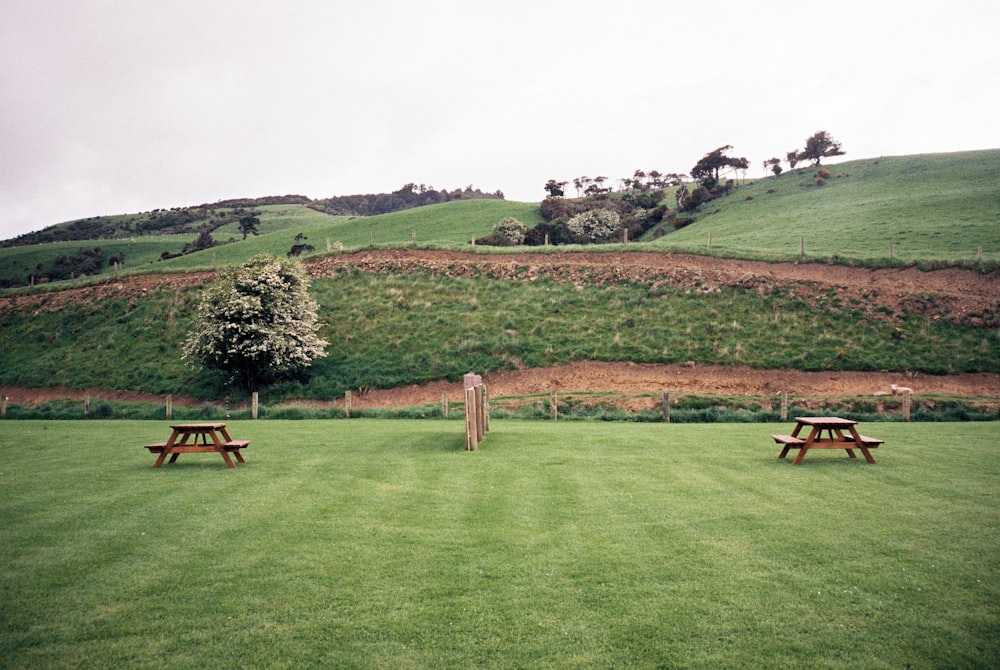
(814, 434)
(861, 445)
(225, 456)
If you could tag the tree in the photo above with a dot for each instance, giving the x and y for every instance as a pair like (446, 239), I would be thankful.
(257, 323)
(595, 225)
(708, 170)
(204, 239)
(821, 145)
(774, 164)
(248, 224)
(556, 189)
(509, 232)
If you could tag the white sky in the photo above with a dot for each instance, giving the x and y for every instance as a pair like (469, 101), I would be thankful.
(115, 106)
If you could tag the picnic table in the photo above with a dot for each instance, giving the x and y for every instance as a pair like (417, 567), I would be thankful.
(193, 438)
(840, 434)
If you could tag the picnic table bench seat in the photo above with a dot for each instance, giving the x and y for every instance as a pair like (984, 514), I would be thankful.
(871, 442)
(789, 440)
(235, 444)
(156, 448)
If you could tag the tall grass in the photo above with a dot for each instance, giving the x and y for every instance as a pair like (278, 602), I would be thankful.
(384, 544)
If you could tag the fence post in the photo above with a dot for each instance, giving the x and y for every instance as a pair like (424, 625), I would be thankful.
(86, 406)
(710, 241)
(554, 405)
(348, 396)
(892, 250)
(802, 245)
(666, 408)
(784, 405)
(471, 430)
(170, 407)
(254, 405)
(3, 406)
(906, 405)
(444, 404)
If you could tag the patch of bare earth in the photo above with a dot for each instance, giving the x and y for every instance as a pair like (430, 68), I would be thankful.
(961, 296)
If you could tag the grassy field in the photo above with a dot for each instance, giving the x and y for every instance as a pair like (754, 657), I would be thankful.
(919, 208)
(383, 544)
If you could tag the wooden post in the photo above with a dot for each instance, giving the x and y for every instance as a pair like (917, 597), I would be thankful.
(784, 405)
(892, 250)
(710, 241)
(444, 404)
(348, 396)
(979, 253)
(906, 405)
(170, 407)
(546, 244)
(486, 408)
(625, 235)
(3, 406)
(666, 408)
(554, 405)
(254, 405)
(370, 238)
(413, 237)
(802, 245)
(471, 430)
(480, 414)
(86, 406)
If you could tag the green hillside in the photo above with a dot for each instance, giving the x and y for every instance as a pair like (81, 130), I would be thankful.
(930, 207)
(388, 330)
(451, 224)
(939, 208)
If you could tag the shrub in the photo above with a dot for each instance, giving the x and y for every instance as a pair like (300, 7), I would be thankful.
(596, 225)
(509, 232)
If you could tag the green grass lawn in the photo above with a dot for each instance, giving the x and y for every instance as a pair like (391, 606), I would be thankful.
(383, 544)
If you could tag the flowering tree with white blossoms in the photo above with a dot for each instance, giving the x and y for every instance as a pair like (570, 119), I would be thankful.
(595, 225)
(510, 231)
(257, 323)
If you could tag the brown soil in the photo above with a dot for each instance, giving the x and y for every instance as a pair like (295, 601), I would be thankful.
(963, 296)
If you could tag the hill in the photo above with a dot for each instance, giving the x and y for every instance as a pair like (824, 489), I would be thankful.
(406, 308)
(933, 209)
(939, 207)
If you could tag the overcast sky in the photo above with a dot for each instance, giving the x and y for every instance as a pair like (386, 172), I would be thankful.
(115, 106)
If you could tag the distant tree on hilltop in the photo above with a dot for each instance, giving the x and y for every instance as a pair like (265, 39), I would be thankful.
(708, 170)
(821, 145)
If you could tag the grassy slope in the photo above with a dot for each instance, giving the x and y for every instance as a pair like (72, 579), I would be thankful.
(390, 330)
(382, 544)
(938, 207)
(449, 224)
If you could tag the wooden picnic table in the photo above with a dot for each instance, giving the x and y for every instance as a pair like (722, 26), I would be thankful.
(193, 438)
(840, 434)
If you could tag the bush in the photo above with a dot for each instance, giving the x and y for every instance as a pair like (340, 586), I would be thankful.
(596, 225)
(509, 232)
